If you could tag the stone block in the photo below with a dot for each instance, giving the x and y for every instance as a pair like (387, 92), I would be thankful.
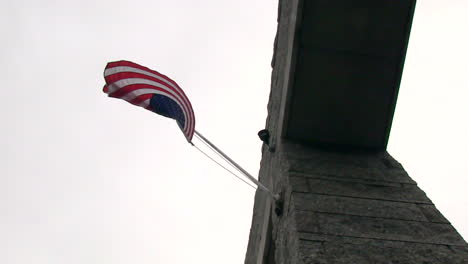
(407, 193)
(432, 214)
(377, 228)
(299, 184)
(346, 171)
(357, 206)
(367, 251)
(348, 179)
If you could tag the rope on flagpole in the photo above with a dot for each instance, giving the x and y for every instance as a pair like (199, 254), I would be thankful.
(219, 155)
(204, 153)
(238, 167)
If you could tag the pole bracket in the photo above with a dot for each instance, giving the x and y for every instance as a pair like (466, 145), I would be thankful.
(279, 204)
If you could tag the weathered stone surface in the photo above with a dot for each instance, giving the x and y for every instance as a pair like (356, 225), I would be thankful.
(377, 228)
(256, 229)
(299, 184)
(347, 72)
(432, 214)
(347, 179)
(374, 252)
(307, 155)
(309, 169)
(311, 252)
(351, 32)
(409, 193)
(339, 207)
(357, 207)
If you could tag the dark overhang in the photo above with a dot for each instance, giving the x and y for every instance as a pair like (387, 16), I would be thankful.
(345, 71)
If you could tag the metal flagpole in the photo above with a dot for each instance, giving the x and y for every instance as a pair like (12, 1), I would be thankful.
(255, 181)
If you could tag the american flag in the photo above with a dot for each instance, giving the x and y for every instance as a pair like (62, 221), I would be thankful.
(151, 90)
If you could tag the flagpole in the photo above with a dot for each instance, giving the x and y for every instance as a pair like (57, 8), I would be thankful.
(251, 178)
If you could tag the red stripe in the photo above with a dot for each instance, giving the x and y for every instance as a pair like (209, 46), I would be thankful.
(141, 98)
(130, 88)
(178, 90)
(122, 75)
(132, 64)
(130, 75)
(120, 93)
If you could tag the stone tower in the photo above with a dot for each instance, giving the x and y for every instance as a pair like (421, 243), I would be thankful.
(337, 67)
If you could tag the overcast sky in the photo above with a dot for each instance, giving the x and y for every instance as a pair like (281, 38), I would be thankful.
(89, 179)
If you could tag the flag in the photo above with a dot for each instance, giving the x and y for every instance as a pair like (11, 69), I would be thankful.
(151, 90)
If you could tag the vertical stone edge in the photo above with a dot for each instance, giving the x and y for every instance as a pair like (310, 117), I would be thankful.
(270, 163)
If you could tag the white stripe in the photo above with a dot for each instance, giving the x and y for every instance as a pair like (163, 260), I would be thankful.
(125, 82)
(134, 94)
(129, 81)
(145, 103)
(118, 69)
(174, 96)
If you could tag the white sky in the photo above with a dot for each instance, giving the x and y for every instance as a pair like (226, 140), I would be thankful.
(88, 179)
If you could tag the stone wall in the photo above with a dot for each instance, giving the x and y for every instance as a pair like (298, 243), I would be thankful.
(348, 208)
(339, 207)
(358, 208)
